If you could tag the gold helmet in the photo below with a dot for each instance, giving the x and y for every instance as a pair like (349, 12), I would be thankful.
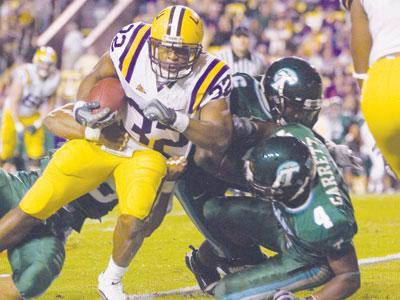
(175, 42)
(45, 59)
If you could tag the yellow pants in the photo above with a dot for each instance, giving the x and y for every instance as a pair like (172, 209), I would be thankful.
(34, 143)
(381, 108)
(80, 166)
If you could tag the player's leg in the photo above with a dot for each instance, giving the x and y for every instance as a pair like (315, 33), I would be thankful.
(8, 200)
(159, 211)
(8, 136)
(381, 109)
(192, 190)
(76, 168)
(34, 144)
(137, 183)
(241, 224)
(264, 280)
(36, 262)
(11, 190)
(244, 219)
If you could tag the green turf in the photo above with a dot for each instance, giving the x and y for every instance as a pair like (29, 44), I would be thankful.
(159, 265)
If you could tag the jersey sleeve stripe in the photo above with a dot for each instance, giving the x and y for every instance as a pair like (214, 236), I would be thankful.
(199, 82)
(128, 46)
(133, 53)
(211, 78)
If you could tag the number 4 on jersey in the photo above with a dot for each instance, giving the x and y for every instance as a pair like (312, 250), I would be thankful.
(321, 218)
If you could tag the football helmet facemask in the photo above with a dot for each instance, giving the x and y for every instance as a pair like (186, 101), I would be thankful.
(45, 60)
(175, 42)
(280, 169)
(293, 89)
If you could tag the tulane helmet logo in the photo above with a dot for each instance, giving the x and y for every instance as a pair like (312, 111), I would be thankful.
(285, 174)
(282, 77)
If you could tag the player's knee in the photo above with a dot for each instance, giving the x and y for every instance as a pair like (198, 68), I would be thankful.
(131, 226)
(37, 202)
(35, 280)
(35, 153)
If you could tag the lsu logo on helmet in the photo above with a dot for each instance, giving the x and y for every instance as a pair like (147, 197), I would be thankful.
(175, 42)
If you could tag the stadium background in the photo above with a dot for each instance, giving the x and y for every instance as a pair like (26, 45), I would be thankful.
(317, 30)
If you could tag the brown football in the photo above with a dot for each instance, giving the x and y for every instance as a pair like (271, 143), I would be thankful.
(109, 93)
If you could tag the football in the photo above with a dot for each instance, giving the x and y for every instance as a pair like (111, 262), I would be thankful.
(109, 93)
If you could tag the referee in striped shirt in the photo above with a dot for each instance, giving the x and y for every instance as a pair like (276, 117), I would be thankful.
(239, 57)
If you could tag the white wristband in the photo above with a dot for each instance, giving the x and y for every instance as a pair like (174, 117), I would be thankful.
(181, 123)
(92, 134)
(361, 76)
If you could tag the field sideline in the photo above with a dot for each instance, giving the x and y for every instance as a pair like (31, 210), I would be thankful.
(160, 264)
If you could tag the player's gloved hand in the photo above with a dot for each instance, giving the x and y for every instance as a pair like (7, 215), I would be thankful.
(284, 295)
(84, 115)
(34, 127)
(156, 111)
(344, 156)
(19, 127)
(243, 127)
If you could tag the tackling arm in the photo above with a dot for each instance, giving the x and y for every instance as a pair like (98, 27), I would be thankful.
(228, 166)
(361, 40)
(61, 123)
(214, 129)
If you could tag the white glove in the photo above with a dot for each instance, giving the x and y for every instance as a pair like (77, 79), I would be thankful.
(19, 127)
(84, 115)
(344, 156)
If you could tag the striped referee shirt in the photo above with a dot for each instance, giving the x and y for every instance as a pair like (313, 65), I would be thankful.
(251, 64)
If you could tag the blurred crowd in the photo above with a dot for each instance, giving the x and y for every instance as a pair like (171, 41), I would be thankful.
(317, 30)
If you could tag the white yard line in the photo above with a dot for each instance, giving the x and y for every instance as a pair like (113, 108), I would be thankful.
(195, 289)
(378, 260)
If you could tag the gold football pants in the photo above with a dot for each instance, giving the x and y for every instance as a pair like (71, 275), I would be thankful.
(80, 166)
(381, 108)
(34, 143)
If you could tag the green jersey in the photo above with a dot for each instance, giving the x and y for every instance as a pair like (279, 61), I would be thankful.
(247, 98)
(325, 222)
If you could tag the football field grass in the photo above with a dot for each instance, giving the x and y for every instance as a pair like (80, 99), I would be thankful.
(159, 266)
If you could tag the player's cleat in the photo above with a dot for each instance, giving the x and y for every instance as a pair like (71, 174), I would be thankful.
(110, 290)
(206, 277)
